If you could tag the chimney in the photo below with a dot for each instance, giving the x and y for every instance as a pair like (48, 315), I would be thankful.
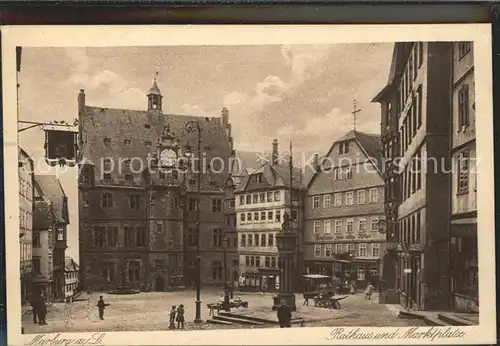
(275, 152)
(81, 102)
(315, 163)
(225, 116)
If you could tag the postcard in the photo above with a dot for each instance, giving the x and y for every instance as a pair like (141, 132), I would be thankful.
(184, 185)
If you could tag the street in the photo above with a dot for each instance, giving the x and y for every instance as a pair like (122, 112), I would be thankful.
(149, 312)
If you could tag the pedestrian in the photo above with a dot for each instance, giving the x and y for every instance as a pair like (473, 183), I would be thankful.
(41, 311)
(180, 317)
(284, 315)
(227, 301)
(34, 306)
(353, 287)
(101, 306)
(306, 301)
(173, 313)
(369, 291)
(231, 290)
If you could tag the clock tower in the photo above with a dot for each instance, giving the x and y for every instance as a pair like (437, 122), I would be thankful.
(167, 153)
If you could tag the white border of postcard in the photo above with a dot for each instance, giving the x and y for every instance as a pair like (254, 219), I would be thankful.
(100, 36)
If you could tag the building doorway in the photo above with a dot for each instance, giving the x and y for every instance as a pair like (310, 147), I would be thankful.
(271, 283)
(160, 284)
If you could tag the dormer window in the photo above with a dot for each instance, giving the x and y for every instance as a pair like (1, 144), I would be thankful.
(107, 140)
(127, 141)
(260, 178)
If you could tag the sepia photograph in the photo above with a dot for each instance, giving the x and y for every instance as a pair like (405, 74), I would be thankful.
(230, 185)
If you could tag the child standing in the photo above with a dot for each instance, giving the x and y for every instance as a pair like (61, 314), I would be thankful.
(173, 312)
(180, 317)
(369, 291)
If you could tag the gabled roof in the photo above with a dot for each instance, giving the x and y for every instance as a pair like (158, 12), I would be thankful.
(277, 176)
(51, 190)
(369, 143)
(398, 53)
(70, 265)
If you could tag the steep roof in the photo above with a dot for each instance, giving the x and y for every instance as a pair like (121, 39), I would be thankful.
(52, 190)
(70, 265)
(43, 216)
(154, 90)
(369, 143)
(277, 176)
(399, 53)
(143, 128)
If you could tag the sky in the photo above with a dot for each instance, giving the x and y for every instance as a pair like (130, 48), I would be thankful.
(302, 93)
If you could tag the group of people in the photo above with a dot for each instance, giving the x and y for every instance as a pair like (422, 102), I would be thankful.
(39, 305)
(177, 315)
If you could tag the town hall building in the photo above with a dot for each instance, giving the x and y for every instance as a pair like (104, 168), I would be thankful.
(138, 204)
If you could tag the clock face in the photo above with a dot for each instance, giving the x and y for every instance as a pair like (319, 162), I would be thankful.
(168, 157)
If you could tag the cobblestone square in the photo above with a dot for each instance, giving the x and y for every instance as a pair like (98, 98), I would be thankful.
(149, 312)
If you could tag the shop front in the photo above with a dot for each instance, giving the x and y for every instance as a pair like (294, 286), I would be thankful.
(364, 271)
(262, 280)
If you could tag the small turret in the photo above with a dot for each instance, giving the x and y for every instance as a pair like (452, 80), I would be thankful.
(154, 97)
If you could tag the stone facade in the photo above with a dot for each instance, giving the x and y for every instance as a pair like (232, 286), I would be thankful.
(137, 220)
(343, 209)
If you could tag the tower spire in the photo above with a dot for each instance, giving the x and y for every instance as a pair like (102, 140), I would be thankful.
(355, 110)
(154, 95)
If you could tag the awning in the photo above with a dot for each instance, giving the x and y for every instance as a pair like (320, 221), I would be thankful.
(315, 276)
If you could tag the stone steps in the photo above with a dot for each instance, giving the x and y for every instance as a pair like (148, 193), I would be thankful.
(220, 322)
(250, 318)
(238, 320)
(455, 320)
(439, 318)
(262, 320)
(435, 322)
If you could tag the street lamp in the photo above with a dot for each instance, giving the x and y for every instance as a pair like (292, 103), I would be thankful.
(193, 126)
(225, 243)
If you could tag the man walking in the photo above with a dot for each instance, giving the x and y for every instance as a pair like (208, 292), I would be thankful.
(101, 306)
(34, 306)
(41, 308)
(284, 315)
